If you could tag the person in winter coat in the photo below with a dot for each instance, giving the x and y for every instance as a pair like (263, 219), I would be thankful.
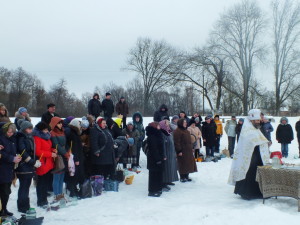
(230, 131)
(297, 127)
(196, 133)
(108, 106)
(8, 160)
(102, 148)
(66, 123)
(182, 115)
(122, 109)
(58, 139)
(86, 125)
(46, 154)
(21, 114)
(94, 106)
(114, 128)
(161, 113)
(170, 164)
(284, 136)
(184, 150)
(3, 114)
(219, 132)
(26, 168)
(155, 159)
(238, 128)
(137, 119)
(130, 156)
(173, 124)
(268, 128)
(209, 136)
(76, 148)
(47, 116)
(122, 143)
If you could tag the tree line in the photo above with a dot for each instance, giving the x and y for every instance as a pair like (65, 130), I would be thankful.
(219, 77)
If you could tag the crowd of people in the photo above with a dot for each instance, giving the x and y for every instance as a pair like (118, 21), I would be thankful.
(59, 151)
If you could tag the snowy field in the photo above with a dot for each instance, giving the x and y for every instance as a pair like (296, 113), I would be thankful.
(206, 200)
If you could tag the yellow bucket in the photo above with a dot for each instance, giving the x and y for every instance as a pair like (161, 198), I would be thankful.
(129, 179)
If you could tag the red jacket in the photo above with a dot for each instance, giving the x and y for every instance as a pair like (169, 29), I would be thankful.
(44, 151)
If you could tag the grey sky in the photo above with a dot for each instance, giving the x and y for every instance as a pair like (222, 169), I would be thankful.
(87, 41)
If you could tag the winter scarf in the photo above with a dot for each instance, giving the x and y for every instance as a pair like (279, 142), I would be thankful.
(41, 134)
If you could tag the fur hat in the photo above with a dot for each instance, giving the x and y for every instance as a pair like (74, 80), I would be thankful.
(254, 114)
(42, 126)
(22, 110)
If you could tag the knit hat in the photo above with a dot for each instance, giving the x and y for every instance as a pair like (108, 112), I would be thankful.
(241, 119)
(22, 110)
(107, 94)
(254, 114)
(85, 123)
(42, 126)
(175, 117)
(165, 118)
(153, 124)
(130, 141)
(122, 97)
(68, 120)
(24, 124)
(284, 118)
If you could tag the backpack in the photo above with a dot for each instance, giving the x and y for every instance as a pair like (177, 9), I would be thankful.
(145, 146)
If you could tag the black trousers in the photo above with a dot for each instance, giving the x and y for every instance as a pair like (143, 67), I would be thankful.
(155, 181)
(4, 194)
(217, 147)
(124, 121)
(23, 192)
(42, 186)
(107, 171)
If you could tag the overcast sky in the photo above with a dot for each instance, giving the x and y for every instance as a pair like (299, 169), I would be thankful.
(87, 41)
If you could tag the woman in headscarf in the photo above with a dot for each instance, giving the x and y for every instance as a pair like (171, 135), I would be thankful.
(184, 150)
(170, 166)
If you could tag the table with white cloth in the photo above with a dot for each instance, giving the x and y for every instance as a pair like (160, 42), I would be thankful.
(279, 182)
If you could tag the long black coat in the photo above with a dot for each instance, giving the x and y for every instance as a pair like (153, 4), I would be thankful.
(7, 157)
(46, 117)
(108, 107)
(297, 127)
(284, 134)
(209, 134)
(155, 154)
(94, 107)
(25, 142)
(102, 143)
(159, 114)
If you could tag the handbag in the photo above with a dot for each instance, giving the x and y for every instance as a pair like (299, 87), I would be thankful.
(120, 176)
(59, 164)
(97, 184)
(86, 190)
(111, 185)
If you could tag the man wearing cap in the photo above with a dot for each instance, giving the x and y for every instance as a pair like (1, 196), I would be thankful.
(230, 131)
(122, 109)
(251, 151)
(108, 106)
(21, 114)
(47, 116)
(94, 106)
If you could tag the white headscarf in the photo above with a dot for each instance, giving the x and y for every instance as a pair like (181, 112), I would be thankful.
(250, 137)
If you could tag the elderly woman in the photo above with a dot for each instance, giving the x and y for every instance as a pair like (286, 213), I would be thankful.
(102, 149)
(184, 150)
(195, 132)
(170, 166)
(8, 160)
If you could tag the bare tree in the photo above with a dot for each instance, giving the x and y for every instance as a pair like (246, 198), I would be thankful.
(151, 60)
(237, 36)
(286, 31)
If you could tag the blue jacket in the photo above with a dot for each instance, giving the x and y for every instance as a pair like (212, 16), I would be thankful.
(268, 128)
(7, 157)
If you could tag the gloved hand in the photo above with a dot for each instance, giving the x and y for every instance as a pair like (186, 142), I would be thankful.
(115, 146)
(37, 164)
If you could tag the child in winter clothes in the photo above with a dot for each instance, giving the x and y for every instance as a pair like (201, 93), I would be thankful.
(284, 135)
(26, 168)
(21, 114)
(219, 132)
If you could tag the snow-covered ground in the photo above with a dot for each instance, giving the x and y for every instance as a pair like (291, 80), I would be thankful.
(206, 200)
